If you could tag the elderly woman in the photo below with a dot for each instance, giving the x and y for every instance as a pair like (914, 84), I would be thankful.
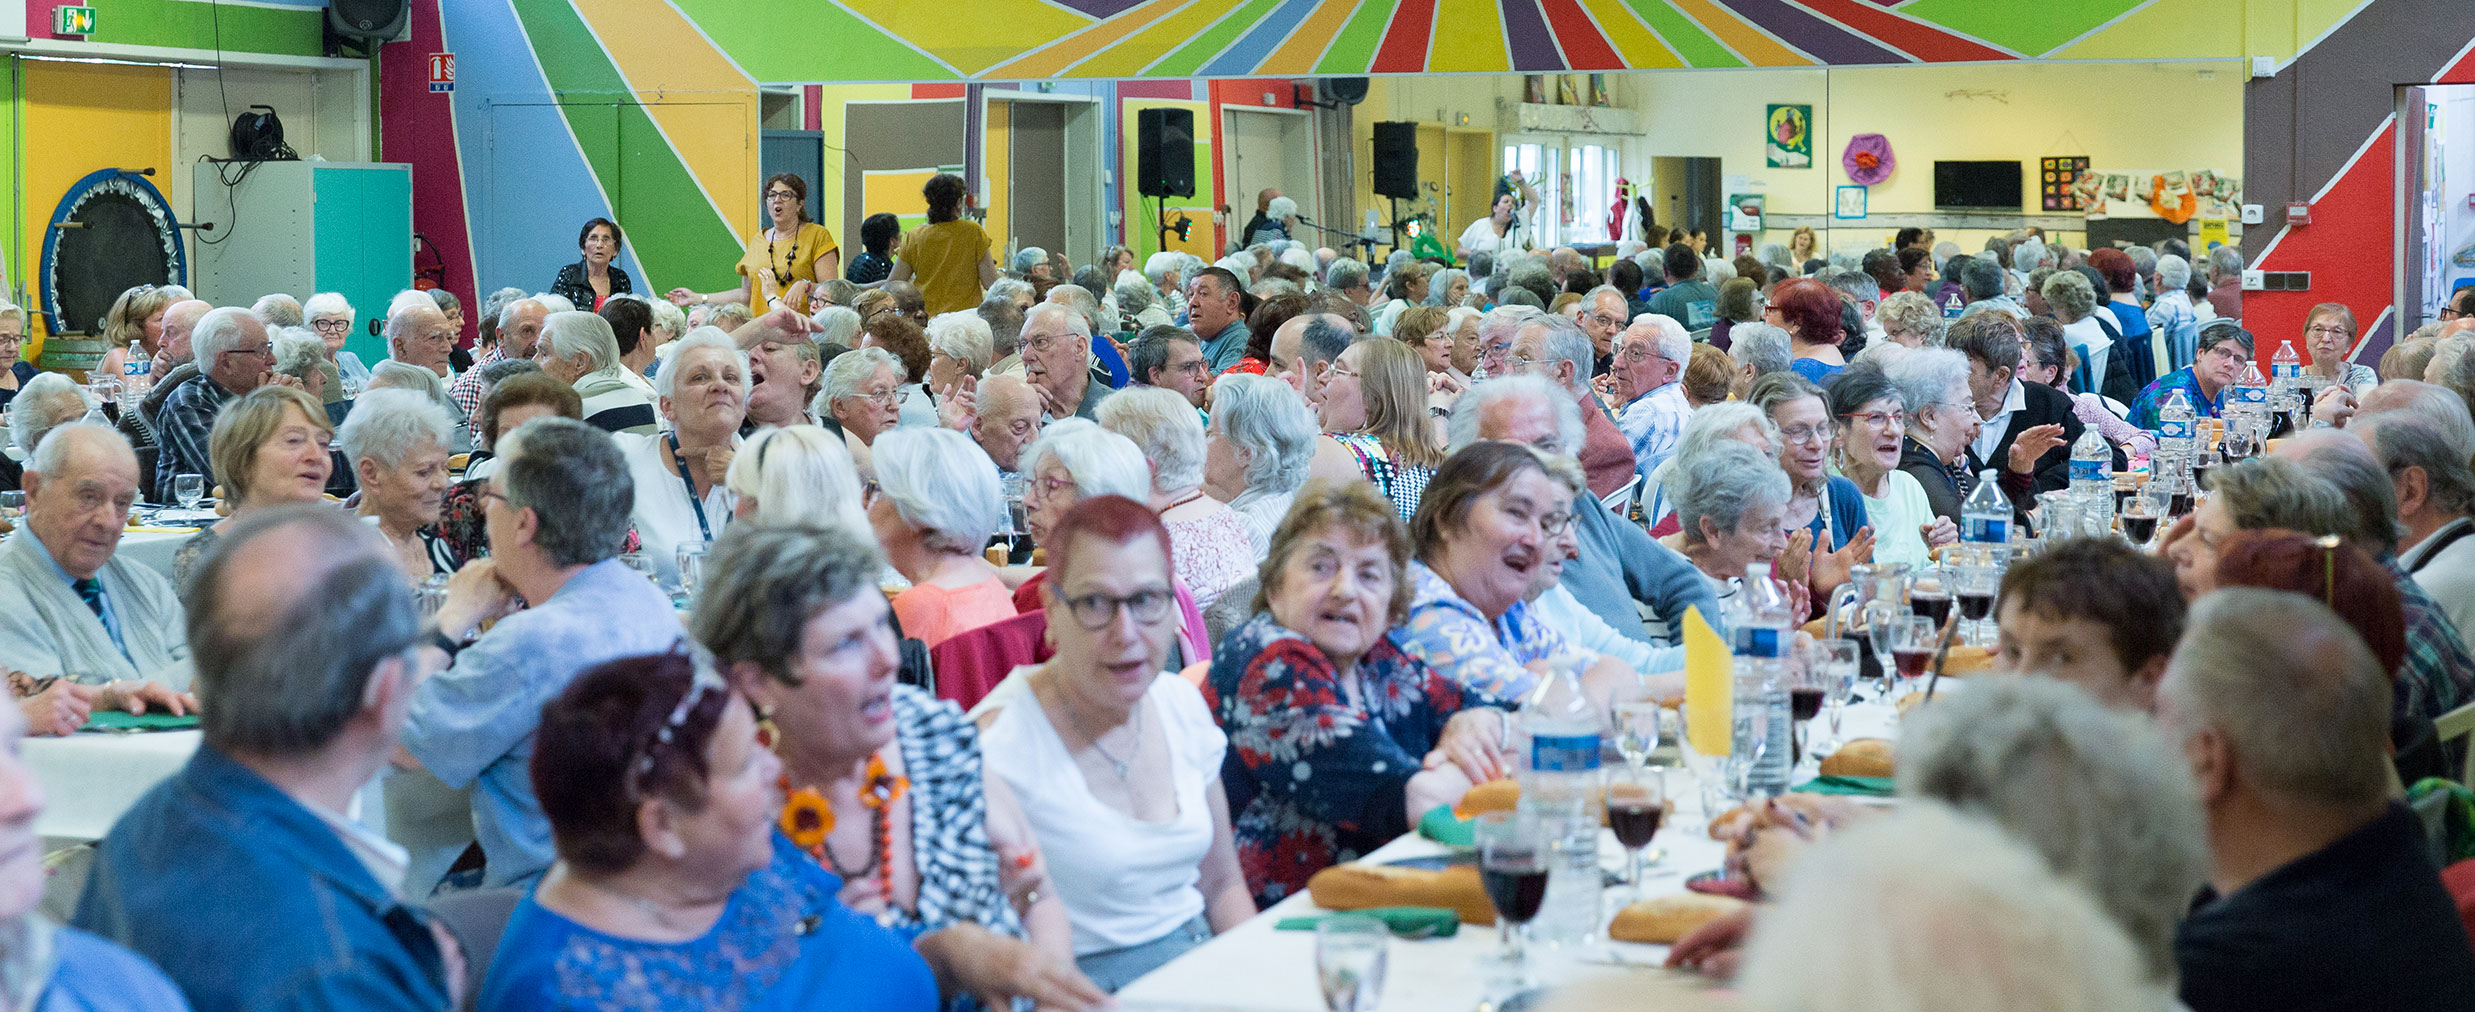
(1737, 421)
(797, 474)
(1732, 504)
(580, 349)
(1331, 721)
(1376, 423)
(938, 506)
(1404, 287)
(862, 399)
(1446, 288)
(300, 355)
(668, 858)
(1942, 420)
(680, 496)
(397, 442)
(1710, 377)
(1736, 307)
(268, 448)
(1911, 319)
(2044, 358)
(1422, 328)
(1809, 312)
(2074, 303)
(2225, 349)
(908, 343)
(15, 371)
(1073, 460)
(1821, 504)
(1870, 425)
(2328, 340)
(332, 317)
(1256, 451)
(1485, 538)
(597, 275)
(782, 261)
(1207, 540)
(136, 317)
(49, 401)
(1118, 761)
(1138, 303)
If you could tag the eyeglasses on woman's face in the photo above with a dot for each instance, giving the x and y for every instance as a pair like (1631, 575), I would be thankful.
(1095, 611)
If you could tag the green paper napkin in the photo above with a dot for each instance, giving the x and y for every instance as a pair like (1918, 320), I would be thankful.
(1407, 922)
(114, 720)
(1441, 826)
(1862, 787)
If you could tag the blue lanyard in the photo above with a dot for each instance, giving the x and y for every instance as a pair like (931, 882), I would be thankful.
(680, 462)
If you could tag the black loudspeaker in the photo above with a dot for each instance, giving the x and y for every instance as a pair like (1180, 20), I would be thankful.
(1396, 160)
(368, 20)
(1164, 161)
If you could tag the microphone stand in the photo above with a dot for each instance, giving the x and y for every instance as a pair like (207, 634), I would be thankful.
(1366, 254)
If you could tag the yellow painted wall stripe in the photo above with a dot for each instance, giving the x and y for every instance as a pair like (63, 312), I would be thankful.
(973, 36)
(1642, 50)
(1298, 55)
(1129, 56)
(1468, 37)
(702, 102)
(1058, 56)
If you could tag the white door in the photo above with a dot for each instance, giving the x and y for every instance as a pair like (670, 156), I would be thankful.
(1267, 149)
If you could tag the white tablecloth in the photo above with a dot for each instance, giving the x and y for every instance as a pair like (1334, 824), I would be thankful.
(151, 549)
(1254, 968)
(90, 778)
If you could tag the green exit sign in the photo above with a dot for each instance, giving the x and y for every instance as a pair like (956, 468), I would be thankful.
(73, 21)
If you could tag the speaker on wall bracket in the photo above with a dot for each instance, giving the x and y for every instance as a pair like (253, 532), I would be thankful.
(1396, 160)
(1164, 161)
(361, 25)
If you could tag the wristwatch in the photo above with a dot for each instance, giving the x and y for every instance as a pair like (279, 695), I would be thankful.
(440, 639)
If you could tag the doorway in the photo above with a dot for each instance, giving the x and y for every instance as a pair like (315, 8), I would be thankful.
(2438, 202)
(1267, 149)
(1469, 180)
(1036, 147)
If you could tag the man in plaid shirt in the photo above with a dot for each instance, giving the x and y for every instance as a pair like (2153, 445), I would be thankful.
(234, 358)
(519, 329)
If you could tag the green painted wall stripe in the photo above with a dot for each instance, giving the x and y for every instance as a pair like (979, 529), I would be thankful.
(1190, 57)
(197, 26)
(756, 36)
(686, 239)
(1684, 35)
(2032, 29)
(1353, 50)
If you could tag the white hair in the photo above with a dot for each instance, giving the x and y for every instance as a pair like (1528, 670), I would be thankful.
(848, 372)
(279, 309)
(1101, 462)
(1926, 377)
(556, 303)
(1280, 209)
(1723, 481)
(943, 484)
(410, 298)
(1009, 288)
(401, 375)
(216, 333)
(1717, 272)
(2437, 405)
(388, 425)
(1164, 426)
(1083, 301)
(1299, 257)
(299, 351)
(799, 474)
(1760, 345)
(1673, 342)
(2173, 272)
(666, 378)
(573, 333)
(326, 304)
(963, 336)
(1462, 428)
(1266, 418)
(46, 402)
(1074, 318)
(837, 325)
(668, 318)
(50, 456)
(1162, 265)
(1928, 910)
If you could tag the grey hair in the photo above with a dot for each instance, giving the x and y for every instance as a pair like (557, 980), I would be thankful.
(299, 352)
(2436, 405)
(798, 474)
(216, 333)
(388, 425)
(1904, 313)
(1717, 422)
(2280, 492)
(1722, 483)
(2070, 293)
(2225, 262)
(51, 456)
(1462, 428)
(1075, 319)
(1008, 288)
(943, 484)
(1164, 425)
(2299, 699)
(2405, 440)
(576, 481)
(1776, 255)
(1925, 377)
(668, 318)
(837, 325)
(1102, 462)
(850, 370)
(2371, 499)
(326, 304)
(1442, 282)
(1344, 273)
(2173, 273)
(401, 375)
(765, 581)
(1027, 258)
(1082, 301)
(279, 310)
(2100, 793)
(1760, 345)
(1982, 277)
(666, 378)
(507, 310)
(47, 402)
(288, 684)
(1134, 294)
(1857, 285)
(573, 333)
(1267, 419)
(1564, 341)
(1281, 208)
(2029, 254)
(1161, 266)
(961, 336)
(1717, 271)
(1669, 337)
(1322, 342)
(1503, 323)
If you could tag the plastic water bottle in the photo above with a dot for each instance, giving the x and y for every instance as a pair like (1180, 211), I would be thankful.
(2174, 426)
(2250, 389)
(1762, 631)
(1558, 784)
(1985, 517)
(137, 371)
(2286, 365)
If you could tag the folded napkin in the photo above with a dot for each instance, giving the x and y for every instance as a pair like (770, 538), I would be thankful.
(1441, 826)
(114, 720)
(1407, 922)
(1862, 787)
(159, 530)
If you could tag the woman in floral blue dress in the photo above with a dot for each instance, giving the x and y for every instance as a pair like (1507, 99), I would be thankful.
(1338, 740)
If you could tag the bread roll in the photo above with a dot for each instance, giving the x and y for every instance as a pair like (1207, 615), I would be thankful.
(1492, 796)
(1864, 757)
(1725, 824)
(1360, 886)
(1661, 920)
(1967, 661)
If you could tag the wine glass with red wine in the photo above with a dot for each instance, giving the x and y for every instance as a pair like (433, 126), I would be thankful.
(1512, 865)
(1929, 594)
(1912, 641)
(1636, 801)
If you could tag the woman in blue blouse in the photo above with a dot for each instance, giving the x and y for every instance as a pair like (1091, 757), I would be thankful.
(672, 890)
(1341, 740)
(1823, 505)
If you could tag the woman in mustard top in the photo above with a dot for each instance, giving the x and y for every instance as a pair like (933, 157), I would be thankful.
(783, 261)
(948, 257)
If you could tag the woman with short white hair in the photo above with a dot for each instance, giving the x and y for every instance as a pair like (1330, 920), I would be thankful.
(1731, 503)
(581, 350)
(1708, 426)
(1138, 303)
(400, 375)
(1942, 421)
(1256, 451)
(959, 349)
(837, 325)
(939, 503)
(797, 474)
(1208, 542)
(397, 441)
(331, 316)
(681, 498)
(301, 355)
(862, 398)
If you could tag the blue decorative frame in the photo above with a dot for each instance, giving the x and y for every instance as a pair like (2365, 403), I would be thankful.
(1839, 203)
(133, 183)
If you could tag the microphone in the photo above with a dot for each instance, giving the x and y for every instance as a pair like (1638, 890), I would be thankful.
(1303, 218)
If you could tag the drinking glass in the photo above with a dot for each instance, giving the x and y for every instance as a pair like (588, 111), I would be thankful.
(13, 501)
(1835, 665)
(189, 490)
(1973, 587)
(1636, 801)
(2240, 437)
(1635, 718)
(433, 595)
(1804, 689)
(2142, 515)
(1512, 865)
(642, 564)
(1349, 962)
(1929, 594)
(691, 560)
(1707, 771)
(1912, 648)
(1748, 741)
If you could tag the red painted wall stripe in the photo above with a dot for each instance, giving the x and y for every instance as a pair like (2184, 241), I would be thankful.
(2346, 249)
(1405, 44)
(1922, 41)
(1584, 45)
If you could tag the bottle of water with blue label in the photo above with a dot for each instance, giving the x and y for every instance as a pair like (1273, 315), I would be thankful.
(136, 371)
(2092, 467)
(1560, 782)
(1986, 516)
(2174, 428)
(2286, 365)
(1763, 630)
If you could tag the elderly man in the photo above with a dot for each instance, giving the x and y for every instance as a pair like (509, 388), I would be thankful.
(1650, 359)
(1759, 350)
(176, 350)
(1860, 292)
(1557, 350)
(1005, 419)
(79, 629)
(2436, 495)
(2029, 428)
(2322, 893)
(1303, 359)
(1562, 262)
(1171, 357)
(519, 329)
(1057, 361)
(2435, 405)
(1983, 280)
(307, 647)
(2173, 314)
(1604, 312)
(46, 402)
(1216, 311)
(1349, 279)
(234, 358)
(2094, 612)
(418, 334)
(2226, 281)
(783, 378)
(1686, 298)
(1617, 565)
(556, 512)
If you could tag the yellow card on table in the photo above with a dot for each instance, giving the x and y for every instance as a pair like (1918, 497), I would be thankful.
(1709, 686)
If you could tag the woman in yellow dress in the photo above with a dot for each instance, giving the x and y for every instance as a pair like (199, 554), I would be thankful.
(784, 260)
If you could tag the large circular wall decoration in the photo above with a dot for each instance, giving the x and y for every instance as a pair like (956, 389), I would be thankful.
(1868, 159)
(112, 232)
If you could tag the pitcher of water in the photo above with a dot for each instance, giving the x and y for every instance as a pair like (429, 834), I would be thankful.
(1873, 592)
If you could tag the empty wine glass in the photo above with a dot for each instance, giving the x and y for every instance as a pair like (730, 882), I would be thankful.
(691, 560)
(189, 490)
(1636, 723)
(1834, 665)
(1748, 741)
(1512, 865)
(1349, 962)
(642, 564)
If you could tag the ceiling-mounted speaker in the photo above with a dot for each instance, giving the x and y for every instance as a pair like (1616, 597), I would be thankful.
(369, 20)
(1343, 90)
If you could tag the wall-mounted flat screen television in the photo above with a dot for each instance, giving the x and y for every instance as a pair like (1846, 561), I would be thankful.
(1978, 186)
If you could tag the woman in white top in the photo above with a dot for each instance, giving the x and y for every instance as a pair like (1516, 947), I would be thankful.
(1869, 420)
(1117, 763)
(1497, 231)
(2074, 302)
(681, 496)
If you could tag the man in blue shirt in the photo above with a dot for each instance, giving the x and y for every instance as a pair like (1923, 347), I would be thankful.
(1216, 309)
(241, 876)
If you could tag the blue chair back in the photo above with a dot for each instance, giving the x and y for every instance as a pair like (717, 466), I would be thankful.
(2081, 380)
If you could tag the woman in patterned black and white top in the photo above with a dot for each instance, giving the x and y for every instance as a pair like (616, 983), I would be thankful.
(883, 781)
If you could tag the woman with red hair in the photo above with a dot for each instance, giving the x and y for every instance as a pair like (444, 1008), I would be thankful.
(2122, 300)
(2346, 578)
(1809, 312)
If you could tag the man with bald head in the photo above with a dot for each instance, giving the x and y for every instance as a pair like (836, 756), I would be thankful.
(1005, 419)
(180, 322)
(234, 358)
(519, 329)
(2431, 403)
(418, 334)
(1304, 364)
(80, 629)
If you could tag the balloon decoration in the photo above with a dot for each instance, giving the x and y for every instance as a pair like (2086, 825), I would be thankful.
(1868, 159)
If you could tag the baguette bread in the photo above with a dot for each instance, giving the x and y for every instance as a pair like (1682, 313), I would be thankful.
(1504, 795)
(1864, 757)
(1661, 920)
(1360, 886)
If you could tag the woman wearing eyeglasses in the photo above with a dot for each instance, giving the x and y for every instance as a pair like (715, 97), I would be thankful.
(1942, 421)
(15, 371)
(2225, 349)
(783, 261)
(2328, 335)
(1116, 760)
(1821, 504)
(1869, 425)
(332, 317)
(1376, 423)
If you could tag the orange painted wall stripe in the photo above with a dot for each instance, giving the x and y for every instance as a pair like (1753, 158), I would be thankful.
(975, 36)
(1053, 60)
(1298, 55)
(1469, 36)
(1757, 49)
(1642, 50)
(1129, 56)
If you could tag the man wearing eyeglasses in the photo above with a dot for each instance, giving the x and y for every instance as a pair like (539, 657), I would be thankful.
(2029, 428)
(1604, 312)
(1170, 357)
(234, 358)
(1057, 361)
(1650, 359)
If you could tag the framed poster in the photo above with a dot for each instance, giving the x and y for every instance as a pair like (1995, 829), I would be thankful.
(1788, 139)
(1850, 204)
(1744, 212)
(2058, 182)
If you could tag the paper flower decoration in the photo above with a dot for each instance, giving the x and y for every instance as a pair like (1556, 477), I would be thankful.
(1868, 159)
